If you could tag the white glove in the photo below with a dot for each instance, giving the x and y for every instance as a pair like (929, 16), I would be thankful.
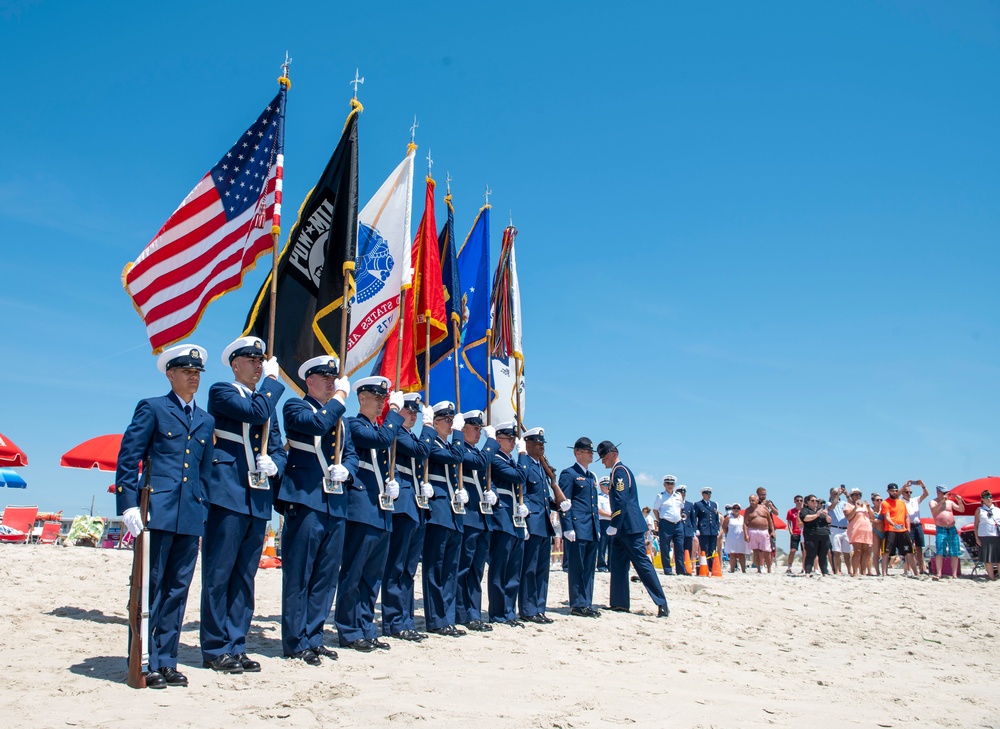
(458, 423)
(490, 497)
(570, 536)
(521, 447)
(565, 505)
(522, 510)
(428, 417)
(427, 490)
(527, 535)
(463, 496)
(132, 520)
(339, 473)
(396, 399)
(392, 488)
(271, 368)
(490, 431)
(266, 464)
(342, 384)
(611, 531)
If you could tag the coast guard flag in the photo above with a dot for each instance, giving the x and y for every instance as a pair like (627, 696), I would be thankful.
(452, 288)
(382, 267)
(216, 235)
(314, 266)
(508, 352)
(474, 306)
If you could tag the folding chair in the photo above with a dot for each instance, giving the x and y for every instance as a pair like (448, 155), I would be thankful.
(21, 519)
(49, 534)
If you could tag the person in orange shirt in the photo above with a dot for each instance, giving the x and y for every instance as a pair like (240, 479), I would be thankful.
(897, 530)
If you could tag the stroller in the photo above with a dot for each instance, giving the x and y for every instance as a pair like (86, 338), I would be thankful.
(969, 542)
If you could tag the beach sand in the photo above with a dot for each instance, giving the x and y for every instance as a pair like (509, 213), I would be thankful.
(741, 651)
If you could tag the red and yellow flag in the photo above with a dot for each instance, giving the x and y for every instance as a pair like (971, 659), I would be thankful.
(428, 290)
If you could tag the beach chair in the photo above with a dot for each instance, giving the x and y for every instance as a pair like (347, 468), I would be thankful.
(19, 520)
(49, 533)
(969, 542)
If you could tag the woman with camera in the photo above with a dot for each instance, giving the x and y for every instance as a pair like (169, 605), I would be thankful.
(815, 533)
(859, 533)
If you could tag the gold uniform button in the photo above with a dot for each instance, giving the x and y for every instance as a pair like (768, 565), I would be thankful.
(269, 394)
(323, 411)
(257, 436)
(256, 449)
(169, 433)
(185, 479)
(189, 437)
(185, 465)
(187, 450)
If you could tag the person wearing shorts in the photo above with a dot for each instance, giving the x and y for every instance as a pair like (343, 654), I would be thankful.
(947, 543)
(897, 530)
(840, 545)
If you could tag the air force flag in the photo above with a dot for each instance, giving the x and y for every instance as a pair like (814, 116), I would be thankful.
(382, 267)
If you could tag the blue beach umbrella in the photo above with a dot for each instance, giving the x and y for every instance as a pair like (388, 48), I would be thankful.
(10, 478)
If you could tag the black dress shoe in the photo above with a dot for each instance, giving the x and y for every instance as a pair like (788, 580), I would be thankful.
(533, 619)
(173, 677)
(308, 655)
(594, 613)
(663, 612)
(514, 623)
(249, 664)
(155, 680)
(479, 626)
(410, 635)
(381, 644)
(325, 652)
(361, 644)
(224, 664)
(449, 630)
(544, 619)
(635, 578)
(585, 612)
(619, 609)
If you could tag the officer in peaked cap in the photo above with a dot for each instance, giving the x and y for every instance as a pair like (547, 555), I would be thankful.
(476, 526)
(443, 535)
(313, 536)
(366, 542)
(538, 489)
(506, 541)
(248, 453)
(627, 531)
(581, 528)
(406, 539)
(176, 436)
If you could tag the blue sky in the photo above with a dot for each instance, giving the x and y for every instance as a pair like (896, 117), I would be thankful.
(758, 242)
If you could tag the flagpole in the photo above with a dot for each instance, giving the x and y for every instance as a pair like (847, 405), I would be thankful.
(518, 427)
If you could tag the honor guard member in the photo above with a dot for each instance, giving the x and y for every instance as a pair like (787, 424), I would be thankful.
(707, 521)
(476, 525)
(315, 513)
(239, 501)
(687, 517)
(506, 540)
(627, 531)
(581, 529)
(669, 507)
(534, 588)
(443, 536)
(369, 521)
(604, 514)
(406, 540)
(176, 436)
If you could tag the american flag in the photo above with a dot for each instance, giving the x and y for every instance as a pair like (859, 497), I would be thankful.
(214, 237)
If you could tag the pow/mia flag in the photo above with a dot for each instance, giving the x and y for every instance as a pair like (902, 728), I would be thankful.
(311, 267)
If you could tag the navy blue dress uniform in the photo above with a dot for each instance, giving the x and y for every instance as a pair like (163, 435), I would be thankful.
(176, 437)
(707, 522)
(406, 540)
(534, 588)
(476, 528)
(443, 535)
(366, 541)
(237, 514)
(313, 536)
(580, 487)
(628, 527)
(687, 517)
(506, 541)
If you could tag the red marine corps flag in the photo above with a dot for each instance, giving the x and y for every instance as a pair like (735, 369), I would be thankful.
(216, 235)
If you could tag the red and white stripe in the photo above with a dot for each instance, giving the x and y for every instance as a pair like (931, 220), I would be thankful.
(197, 257)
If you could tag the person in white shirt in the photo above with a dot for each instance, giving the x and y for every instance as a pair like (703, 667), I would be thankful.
(668, 507)
(913, 511)
(604, 516)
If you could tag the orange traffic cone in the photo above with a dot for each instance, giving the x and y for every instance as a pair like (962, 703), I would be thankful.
(269, 550)
(688, 567)
(716, 565)
(702, 566)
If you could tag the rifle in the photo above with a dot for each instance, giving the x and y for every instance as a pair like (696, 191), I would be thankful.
(138, 599)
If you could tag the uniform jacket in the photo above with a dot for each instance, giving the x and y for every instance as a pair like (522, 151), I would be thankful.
(411, 452)
(687, 517)
(706, 516)
(506, 475)
(311, 428)
(580, 486)
(536, 498)
(372, 445)
(626, 516)
(474, 465)
(180, 453)
(239, 426)
(444, 457)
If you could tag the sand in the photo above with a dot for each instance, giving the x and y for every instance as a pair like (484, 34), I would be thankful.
(741, 651)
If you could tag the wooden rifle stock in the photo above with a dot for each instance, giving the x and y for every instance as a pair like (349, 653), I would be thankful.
(138, 599)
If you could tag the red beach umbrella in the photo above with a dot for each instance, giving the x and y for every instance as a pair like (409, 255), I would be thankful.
(100, 453)
(10, 454)
(970, 491)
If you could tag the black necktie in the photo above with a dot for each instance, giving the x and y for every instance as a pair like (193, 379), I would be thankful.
(187, 411)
